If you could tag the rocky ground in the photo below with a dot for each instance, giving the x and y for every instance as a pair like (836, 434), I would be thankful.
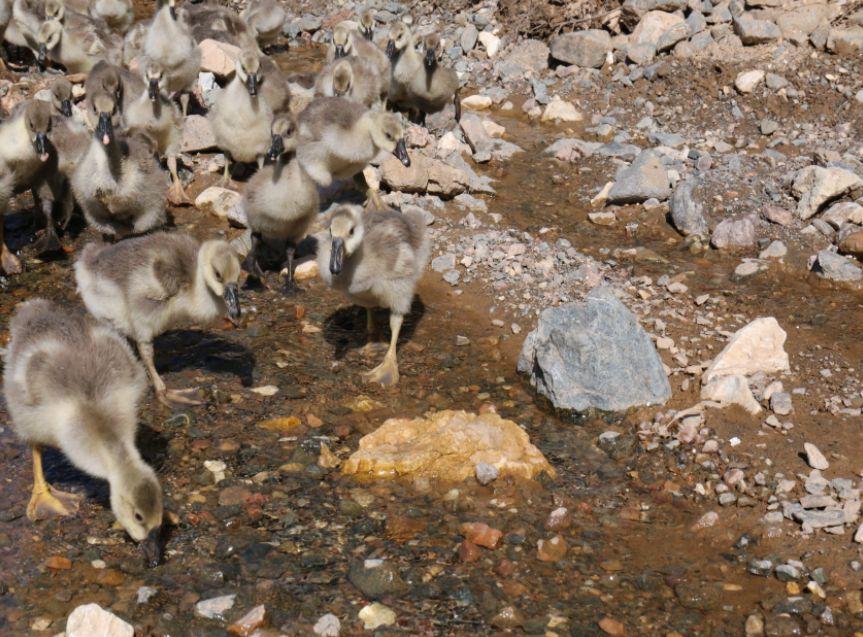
(700, 163)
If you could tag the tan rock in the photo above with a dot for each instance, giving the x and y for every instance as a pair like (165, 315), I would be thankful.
(91, 619)
(218, 57)
(476, 102)
(306, 271)
(217, 201)
(653, 25)
(731, 390)
(756, 347)
(559, 110)
(551, 550)
(197, 135)
(425, 174)
(448, 445)
(852, 244)
(249, 623)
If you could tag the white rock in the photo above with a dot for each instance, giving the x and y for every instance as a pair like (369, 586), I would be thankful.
(265, 390)
(476, 102)
(218, 201)
(376, 615)
(731, 390)
(653, 25)
(306, 271)
(491, 43)
(756, 347)
(858, 535)
(747, 81)
(559, 110)
(814, 457)
(216, 607)
(328, 626)
(814, 186)
(91, 620)
(145, 593)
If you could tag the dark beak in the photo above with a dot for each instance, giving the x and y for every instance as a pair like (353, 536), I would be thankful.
(337, 256)
(252, 85)
(232, 298)
(391, 49)
(42, 146)
(401, 152)
(153, 89)
(43, 55)
(173, 12)
(277, 147)
(151, 547)
(367, 33)
(340, 51)
(66, 108)
(105, 129)
(430, 59)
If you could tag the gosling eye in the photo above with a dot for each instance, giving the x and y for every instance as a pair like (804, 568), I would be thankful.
(351, 233)
(139, 517)
(218, 276)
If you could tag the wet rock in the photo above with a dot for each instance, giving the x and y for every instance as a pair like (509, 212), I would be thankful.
(327, 626)
(559, 110)
(377, 579)
(197, 135)
(852, 244)
(216, 607)
(754, 626)
(593, 354)
(753, 31)
(476, 102)
(782, 626)
(734, 233)
(558, 520)
(569, 149)
(830, 265)
(376, 615)
(447, 445)
(145, 594)
(687, 214)
(551, 550)
(748, 81)
(815, 186)
(776, 250)
(583, 48)
(218, 57)
(468, 552)
(613, 627)
(249, 623)
(814, 457)
(481, 534)
(777, 215)
(762, 568)
(486, 473)
(756, 347)
(731, 390)
(90, 620)
(646, 177)
(475, 134)
(706, 521)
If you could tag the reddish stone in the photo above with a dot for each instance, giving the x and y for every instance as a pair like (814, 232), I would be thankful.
(551, 550)
(612, 627)
(481, 534)
(505, 568)
(58, 563)
(468, 551)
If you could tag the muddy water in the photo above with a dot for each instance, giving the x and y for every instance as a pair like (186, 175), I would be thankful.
(282, 531)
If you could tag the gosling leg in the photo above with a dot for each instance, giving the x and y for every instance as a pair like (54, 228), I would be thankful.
(251, 264)
(47, 501)
(10, 263)
(166, 397)
(372, 347)
(291, 286)
(226, 176)
(177, 195)
(387, 373)
(184, 102)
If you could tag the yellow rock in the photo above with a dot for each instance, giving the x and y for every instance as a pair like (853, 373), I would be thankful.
(327, 459)
(281, 425)
(448, 446)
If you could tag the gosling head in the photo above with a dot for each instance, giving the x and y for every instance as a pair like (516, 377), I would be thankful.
(400, 39)
(342, 46)
(387, 133)
(346, 234)
(61, 96)
(172, 7)
(105, 106)
(155, 77)
(48, 38)
(37, 119)
(432, 47)
(284, 136)
(55, 10)
(136, 500)
(221, 270)
(367, 24)
(343, 78)
(248, 67)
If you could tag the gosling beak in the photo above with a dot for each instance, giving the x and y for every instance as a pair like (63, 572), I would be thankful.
(277, 147)
(252, 85)
(153, 89)
(232, 298)
(151, 547)
(429, 60)
(367, 33)
(66, 108)
(337, 256)
(391, 49)
(340, 51)
(42, 146)
(401, 152)
(43, 55)
(105, 129)
(173, 12)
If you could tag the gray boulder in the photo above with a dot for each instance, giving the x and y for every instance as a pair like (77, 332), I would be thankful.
(526, 59)
(687, 214)
(734, 233)
(582, 48)
(753, 31)
(593, 355)
(830, 265)
(468, 38)
(644, 178)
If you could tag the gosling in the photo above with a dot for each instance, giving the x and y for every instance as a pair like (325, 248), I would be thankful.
(148, 285)
(72, 383)
(241, 118)
(338, 140)
(376, 259)
(349, 43)
(169, 42)
(266, 19)
(77, 47)
(353, 78)
(438, 85)
(281, 202)
(117, 182)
